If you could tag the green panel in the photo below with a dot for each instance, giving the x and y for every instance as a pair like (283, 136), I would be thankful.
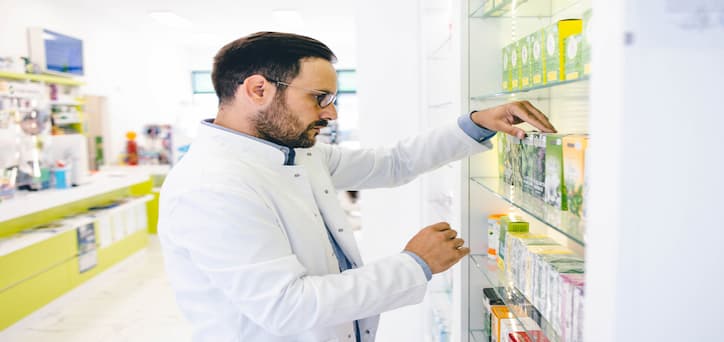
(35, 259)
(19, 301)
(110, 255)
(152, 213)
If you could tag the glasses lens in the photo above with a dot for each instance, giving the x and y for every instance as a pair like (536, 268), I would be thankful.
(325, 100)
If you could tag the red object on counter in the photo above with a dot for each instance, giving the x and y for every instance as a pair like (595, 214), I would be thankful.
(131, 149)
(529, 336)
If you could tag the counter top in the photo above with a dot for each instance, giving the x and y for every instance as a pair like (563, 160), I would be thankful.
(26, 202)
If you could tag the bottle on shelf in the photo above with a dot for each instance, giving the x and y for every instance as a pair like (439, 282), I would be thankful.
(131, 149)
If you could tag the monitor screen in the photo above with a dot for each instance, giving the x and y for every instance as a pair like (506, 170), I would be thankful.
(63, 54)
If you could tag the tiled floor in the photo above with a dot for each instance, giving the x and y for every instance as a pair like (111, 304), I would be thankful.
(132, 301)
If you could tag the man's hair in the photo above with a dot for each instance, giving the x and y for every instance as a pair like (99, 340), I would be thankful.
(274, 55)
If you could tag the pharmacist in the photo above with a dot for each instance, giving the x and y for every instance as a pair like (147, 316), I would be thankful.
(255, 243)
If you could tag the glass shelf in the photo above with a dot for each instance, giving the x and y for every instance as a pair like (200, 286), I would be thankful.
(571, 89)
(516, 302)
(524, 9)
(478, 336)
(564, 222)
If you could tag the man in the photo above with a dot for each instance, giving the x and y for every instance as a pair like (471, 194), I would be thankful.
(256, 245)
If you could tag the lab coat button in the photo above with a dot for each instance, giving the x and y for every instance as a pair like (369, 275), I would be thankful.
(296, 175)
(340, 230)
(309, 154)
(349, 336)
(367, 331)
(326, 191)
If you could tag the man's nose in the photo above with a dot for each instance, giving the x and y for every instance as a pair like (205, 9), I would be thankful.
(329, 113)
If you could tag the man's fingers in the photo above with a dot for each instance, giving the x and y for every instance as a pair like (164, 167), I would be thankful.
(514, 131)
(451, 234)
(541, 117)
(441, 226)
(521, 111)
(463, 251)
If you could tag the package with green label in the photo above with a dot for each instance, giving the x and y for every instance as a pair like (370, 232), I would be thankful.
(555, 193)
(573, 66)
(533, 164)
(526, 58)
(509, 224)
(574, 161)
(515, 61)
(500, 148)
(537, 58)
(506, 68)
(515, 159)
(555, 36)
(586, 42)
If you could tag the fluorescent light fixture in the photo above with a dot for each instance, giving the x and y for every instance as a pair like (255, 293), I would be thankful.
(170, 19)
(288, 18)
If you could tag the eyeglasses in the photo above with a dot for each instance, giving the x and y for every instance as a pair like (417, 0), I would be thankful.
(324, 98)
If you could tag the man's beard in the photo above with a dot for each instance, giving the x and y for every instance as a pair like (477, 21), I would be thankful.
(279, 125)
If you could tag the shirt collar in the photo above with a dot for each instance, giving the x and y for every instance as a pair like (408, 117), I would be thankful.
(289, 153)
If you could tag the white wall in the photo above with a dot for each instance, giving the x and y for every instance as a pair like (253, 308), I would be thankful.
(388, 69)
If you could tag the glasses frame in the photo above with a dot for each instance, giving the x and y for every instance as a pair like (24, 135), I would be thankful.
(324, 98)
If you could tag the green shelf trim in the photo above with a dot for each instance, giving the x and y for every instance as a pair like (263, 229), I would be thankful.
(41, 78)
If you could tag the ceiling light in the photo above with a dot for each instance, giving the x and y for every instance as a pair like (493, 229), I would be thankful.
(170, 19)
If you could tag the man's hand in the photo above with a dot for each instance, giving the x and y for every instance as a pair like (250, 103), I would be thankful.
(438, 246)
(502, 118)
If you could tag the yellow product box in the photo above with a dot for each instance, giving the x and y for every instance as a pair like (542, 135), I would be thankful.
(574, 161)
(526, 58)
(586, 42)
(537, 62)
(509, 224)
(573, 66)
(515, 69)
(555, 36)
(507, 69)
(500, 313)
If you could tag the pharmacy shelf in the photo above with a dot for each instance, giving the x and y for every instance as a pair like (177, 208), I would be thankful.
(41, 78)
(522, 8)
(564, 222)
(479, 336)
(577, 89)
(517, 303)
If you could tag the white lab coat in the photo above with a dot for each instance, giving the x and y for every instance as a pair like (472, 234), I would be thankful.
(246, 247)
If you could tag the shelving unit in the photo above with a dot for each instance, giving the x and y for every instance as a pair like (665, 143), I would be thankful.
(41, 78)
(567, 103)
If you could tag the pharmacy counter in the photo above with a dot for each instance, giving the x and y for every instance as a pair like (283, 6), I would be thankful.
(53, 240)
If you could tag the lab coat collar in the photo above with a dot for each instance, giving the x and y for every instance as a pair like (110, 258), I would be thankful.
(236, 142)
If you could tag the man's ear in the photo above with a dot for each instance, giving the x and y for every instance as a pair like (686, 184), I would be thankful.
(256, 89)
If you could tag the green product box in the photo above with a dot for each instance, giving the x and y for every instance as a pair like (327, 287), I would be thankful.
(537, 58)
(526, 57)
(586, 42)
(511, 223)
(515, 62)
(532, 164)
(574, 153)
(555, 36)
(555, 188)
(515, 160)
(506, 68)
(573, 66)
(501, 148)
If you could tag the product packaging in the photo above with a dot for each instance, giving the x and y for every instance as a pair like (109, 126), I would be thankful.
(537, 64)
(494, 235)
(573, 65)
(563, 325)
(555, 36)
(586, 42)
(555, 271)
(533, 164)
(515, 161)
(526, 57)
(499, 313)
(509, 224)
(528, 336)
(578, 302)
(511, 325)
(490, 300)
(507, 70)
(501, 149)
(515, 62)
(574, 152)
(555, 193)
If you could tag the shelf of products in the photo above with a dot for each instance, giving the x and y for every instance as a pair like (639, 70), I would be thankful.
(570, 89)
(517, 304)
(506, 9)
(564, 222)
(41, 78)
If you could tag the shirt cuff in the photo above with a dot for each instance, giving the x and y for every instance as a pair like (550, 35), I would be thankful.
(479, 134)
(423, 264)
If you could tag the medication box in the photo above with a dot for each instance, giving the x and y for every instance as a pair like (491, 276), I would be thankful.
(506, 68)
(515, 62)
(526, 58)
(555, 36)
(586, 42)
(574, 152)
(533, 164)
(537, 58)
(573, 66)
(555, 193)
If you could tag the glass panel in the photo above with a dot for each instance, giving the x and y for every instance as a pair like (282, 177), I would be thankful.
(518, 305)
(478, 336)
(521, 8)
(573, 90)
(564, 222)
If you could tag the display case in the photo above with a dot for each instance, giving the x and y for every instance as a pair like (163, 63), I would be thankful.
(505, 45)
